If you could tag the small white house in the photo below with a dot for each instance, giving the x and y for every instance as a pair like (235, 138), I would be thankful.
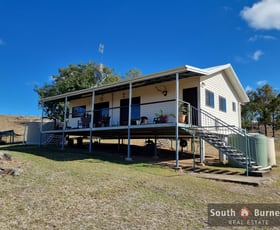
(130, 109)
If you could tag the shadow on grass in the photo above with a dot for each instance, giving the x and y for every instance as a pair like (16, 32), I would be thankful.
(101, 152)
(48, 152)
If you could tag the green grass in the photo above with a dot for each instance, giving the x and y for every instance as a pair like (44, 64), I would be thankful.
(72, 189)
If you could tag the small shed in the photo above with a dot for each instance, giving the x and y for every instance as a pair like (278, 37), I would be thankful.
(7, 136)
(32, 132)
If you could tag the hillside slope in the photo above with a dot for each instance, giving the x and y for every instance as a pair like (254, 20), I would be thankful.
(16, 123)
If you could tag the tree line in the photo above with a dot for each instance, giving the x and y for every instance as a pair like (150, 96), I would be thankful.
(263, 110)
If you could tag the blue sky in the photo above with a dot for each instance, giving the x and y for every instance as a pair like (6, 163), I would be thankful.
(38, 37)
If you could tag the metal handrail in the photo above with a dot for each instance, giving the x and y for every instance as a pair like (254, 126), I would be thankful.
(210, 123)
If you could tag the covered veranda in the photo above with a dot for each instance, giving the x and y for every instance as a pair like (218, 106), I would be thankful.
(173, 130)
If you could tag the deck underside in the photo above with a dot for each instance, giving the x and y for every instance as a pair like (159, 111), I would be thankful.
(166, 130)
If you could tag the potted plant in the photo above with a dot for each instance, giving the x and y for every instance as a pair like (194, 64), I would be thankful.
(162, 117)
(143, 120)
(183, 112)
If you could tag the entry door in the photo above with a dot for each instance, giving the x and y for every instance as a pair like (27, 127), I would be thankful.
(135, 110)
(100, 110)
(190, 95)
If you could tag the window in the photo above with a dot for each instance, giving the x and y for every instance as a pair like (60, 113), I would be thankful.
(78, 111)
(209, 98)
(222, 104)
(233, 106)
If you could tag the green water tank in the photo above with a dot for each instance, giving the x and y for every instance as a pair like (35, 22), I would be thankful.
(259, 144)
(237, 141)
(271, 155)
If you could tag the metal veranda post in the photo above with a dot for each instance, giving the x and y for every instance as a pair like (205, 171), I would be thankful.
(246, 150)
(41, 125)
(193, 149)
(177, 128)
(202, 150)
(64, 124)
(155, 149)
(128, 158)
(91, 121)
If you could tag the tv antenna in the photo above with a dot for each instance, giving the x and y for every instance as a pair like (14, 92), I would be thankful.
(98, 73)
(101, 50)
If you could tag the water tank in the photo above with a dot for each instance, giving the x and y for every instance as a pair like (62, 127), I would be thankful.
(259, 142)
(239, 142)
(271, 156)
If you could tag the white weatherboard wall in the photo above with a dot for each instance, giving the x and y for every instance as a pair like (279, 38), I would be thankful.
(150, 94)
(220, 86)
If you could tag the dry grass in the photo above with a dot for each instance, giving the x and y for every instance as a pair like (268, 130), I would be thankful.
(73, 190)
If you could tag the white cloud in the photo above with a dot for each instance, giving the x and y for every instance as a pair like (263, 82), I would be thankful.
(240, 59)
(261, 83)
(257, 54)
(249, 57)
(50, 78)
(263, 37)
(1, 42)
(248, 88)
(258, 83)
(227, 8)
(263, 15)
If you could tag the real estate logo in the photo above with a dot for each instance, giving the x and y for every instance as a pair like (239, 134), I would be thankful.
(244, 215)
(245, 212)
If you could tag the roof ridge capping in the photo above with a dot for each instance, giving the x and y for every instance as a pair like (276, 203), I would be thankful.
(196, 69)
(217, 68)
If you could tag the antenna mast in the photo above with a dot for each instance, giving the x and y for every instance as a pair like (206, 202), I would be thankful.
(101, 51)
(98, 74)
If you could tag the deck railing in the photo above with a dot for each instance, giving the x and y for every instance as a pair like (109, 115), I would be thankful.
(144, 113)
